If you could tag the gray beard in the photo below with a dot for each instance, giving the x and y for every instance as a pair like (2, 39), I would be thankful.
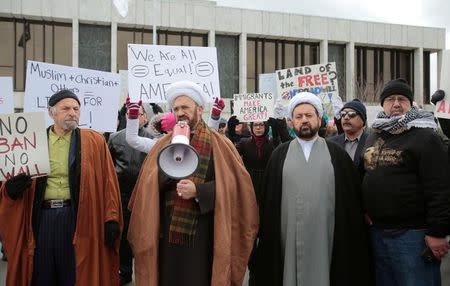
(70, 125)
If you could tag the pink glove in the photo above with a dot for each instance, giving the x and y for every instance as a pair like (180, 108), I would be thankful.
(217, 108)
(168, 121)
(133, 108)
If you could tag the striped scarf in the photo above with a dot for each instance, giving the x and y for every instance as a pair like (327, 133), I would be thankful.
(398, 124)
(184, 213)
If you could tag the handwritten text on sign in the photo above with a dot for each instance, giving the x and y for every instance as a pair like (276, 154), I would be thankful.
(97, 91)
(253, 106)
(23, 145)
(442, 109)
(152, 68)
(318, 79)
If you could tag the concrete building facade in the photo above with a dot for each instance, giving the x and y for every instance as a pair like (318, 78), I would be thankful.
(91, 34)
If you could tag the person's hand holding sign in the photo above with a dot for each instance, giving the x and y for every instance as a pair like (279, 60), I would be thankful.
(133, 108)
(17, 185)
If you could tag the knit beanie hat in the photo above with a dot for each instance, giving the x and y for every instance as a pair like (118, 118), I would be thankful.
(60, 95)
(357, 106)
(397, 86)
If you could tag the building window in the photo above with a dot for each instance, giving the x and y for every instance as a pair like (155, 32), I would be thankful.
(426, 77)
(23, 40)
(228, 62)
(336, 53)
(267, 55)
(127, 36)
(182, 39)
(95, 47)
(376, 66)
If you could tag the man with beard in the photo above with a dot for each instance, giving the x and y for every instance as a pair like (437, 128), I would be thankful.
(63, 229)
(353, 121)
(311, 222)
(199, 230)
(406, 191)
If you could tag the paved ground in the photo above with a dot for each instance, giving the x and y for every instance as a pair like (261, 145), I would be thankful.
(445, 268)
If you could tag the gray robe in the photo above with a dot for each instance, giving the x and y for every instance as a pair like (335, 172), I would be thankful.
(307, 215)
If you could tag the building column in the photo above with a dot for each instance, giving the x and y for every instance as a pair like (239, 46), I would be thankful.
(113, 47)
(350, 71)
(439, 67)
(418, 76)
(243, 63)
(212, 38)
(324, 51)
(75, 41)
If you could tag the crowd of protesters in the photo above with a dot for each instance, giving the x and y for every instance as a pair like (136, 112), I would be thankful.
(296, 200)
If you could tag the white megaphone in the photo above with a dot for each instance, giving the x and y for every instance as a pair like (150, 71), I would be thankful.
(178, 160)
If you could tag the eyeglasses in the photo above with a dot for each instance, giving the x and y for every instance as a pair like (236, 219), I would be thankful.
(351, 114)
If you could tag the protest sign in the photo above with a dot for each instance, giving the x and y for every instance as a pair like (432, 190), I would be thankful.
(319, 79)
(152, 68)
(442, 109)
(97, 91)
(23, 145)
(250, 107)
(6, 95)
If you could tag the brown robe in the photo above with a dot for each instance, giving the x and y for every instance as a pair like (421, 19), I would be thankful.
(99, 201)
(235, 216)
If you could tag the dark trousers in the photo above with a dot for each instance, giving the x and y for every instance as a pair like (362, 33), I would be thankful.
(125, 252)
(54, 257)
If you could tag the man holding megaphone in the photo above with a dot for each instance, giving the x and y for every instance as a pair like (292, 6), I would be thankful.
(194, 213)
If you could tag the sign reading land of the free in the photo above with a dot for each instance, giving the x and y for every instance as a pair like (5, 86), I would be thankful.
(319, 79)
(23, 145)
(442, 109)
(250, 107)
(97, 91)
(152, 68)
(6, 95)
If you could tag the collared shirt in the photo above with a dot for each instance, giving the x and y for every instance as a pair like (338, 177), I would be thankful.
(58, 180)
(307, 146)
(351, 145)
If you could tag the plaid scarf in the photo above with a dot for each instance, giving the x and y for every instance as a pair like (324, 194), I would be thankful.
(184, 213)
(398, 124)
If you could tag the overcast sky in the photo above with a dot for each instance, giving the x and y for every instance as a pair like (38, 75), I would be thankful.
(430, 13)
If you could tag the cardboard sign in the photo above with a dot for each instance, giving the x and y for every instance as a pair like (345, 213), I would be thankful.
(23, 145)
(152, 68)
(97, 91)
(250, 107)
(318, 79)
(442, 109)
(6, 95)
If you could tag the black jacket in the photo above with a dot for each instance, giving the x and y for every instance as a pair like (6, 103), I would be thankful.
(127, 161)
(350, 263)
(406, 182)
(340, 140)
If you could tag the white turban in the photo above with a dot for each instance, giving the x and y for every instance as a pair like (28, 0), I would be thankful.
(187, 88)
(305, 97)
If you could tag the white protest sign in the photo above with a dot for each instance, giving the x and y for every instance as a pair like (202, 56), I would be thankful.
(6, 95)
(319, 79)
(442, 109)
(23, 145)
(97, 91)
(250, 107)
(267, 82)
(152, 68)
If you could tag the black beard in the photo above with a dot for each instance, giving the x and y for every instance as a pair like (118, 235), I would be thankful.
(306, 134)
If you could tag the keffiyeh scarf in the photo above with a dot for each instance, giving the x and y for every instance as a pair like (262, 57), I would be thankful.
(398, 124)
